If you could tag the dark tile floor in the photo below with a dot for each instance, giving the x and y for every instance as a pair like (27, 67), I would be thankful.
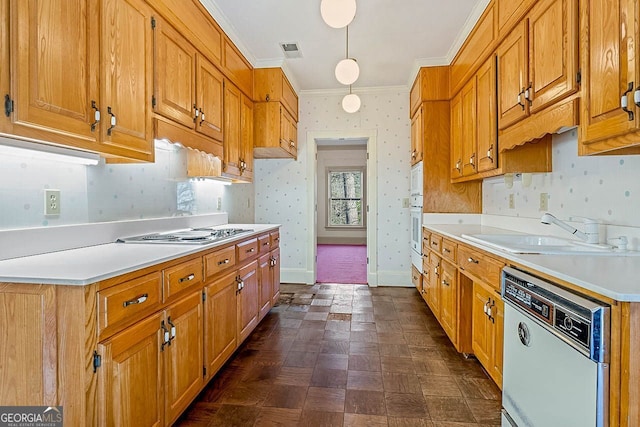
(348, 355)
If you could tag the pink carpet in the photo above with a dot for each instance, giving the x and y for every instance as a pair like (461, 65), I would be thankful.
(342, 264)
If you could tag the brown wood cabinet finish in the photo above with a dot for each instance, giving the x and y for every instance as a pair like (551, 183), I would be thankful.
(179, 278)
(275, 132)
(248, 298)
(209, 99)
(271, 84)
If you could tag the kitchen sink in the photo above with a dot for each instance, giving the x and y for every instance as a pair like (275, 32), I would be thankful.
(544, 245)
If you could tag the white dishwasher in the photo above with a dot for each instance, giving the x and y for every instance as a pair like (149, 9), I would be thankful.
(556, 342)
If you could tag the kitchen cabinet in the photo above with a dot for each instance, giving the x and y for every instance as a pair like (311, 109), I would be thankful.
(275, 276)
(511, 12)
(486, 111)
(611, 75)
(275, 132)
(247, 300)
(416, 278)
(246, 138)
(487, 329)
(271, 84)
(538, 61)
(416, 137)
(99, 98)
(209, 99)
(5, 75)
(448, 299)
(468, 133)
(129, 390)
(183, 355)
(238, 128)
(264, 284)
(432, 289)
(220, 322)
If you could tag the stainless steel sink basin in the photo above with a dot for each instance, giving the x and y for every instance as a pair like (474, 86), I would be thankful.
(545, 245)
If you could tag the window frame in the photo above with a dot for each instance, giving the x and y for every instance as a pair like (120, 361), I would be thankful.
(363, 197)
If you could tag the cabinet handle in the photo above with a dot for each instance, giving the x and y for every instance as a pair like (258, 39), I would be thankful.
(113, 121)
(435, 270)
(434, 243)
(636, 97)
(527, 94)
(473, 261)
(272, 262)
(445, 283)
(225, 261)
(250, 250)
(137, 300)
(96, 116)
(187, 278)
(173, 330)
(472, 160)
(413, 154)
(201, 117)
(624, 102)
(459, 165)
(166, 336)
(196, 112)
(239, 284)
(266, 244)
(446, 250)
(490, 152)
(520, 103)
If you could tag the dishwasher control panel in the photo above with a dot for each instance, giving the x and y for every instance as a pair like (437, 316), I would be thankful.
(579, 321)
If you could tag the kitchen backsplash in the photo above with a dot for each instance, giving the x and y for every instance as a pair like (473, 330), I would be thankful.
(104, 193)
(606, 188)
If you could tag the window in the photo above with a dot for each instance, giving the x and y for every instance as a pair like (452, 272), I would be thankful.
(345, 205)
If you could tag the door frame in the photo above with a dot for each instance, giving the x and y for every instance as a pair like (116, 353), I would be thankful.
(371, 195)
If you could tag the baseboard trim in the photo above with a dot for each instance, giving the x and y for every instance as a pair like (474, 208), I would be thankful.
(296, 275)
(399, 278)
(342, 240)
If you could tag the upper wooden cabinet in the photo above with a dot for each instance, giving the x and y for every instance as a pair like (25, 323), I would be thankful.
(89, 86)
(237, 68)
(486, 129)
(611, 73)
(416, 137)
(238, 129)
(275, 132)
(431, 84)
(209, 98)
(271, 84)
(510, 12)
(538, 61)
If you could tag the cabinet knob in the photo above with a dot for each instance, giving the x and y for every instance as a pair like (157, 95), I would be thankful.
(473, 261)
(624, 101)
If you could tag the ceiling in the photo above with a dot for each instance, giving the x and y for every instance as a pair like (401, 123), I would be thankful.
(389, 39)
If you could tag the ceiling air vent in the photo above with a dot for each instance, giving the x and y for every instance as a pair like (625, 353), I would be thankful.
(291, 50)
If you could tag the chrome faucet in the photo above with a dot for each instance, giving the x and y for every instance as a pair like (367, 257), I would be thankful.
(590, 234)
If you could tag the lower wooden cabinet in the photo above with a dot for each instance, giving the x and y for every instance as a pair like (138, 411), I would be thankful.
(247, 300)
(220, 322)
(264, 282)
(275, 275)
(487, 329)
(448, 299)
(416, 278)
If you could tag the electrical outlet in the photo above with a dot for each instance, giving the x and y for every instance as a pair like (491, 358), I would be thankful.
(52, 202)
(219, 203)
(544, 202)
(512, 202)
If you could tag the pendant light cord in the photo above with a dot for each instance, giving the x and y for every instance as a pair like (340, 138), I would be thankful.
(347, 42)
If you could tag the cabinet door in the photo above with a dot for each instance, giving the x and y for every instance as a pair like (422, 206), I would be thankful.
(220, 322)
(5, 73)
(512, 77)
(126, 78)
(481, 333)
(416, 137)
(293, 137)
(174, 75)
(232, 102)
(448, 299)
(486, 124)
(553, 52)
(609, 68)
(275, 276)
(285, 130)
(209, 87)
(433, 287)
(130, 378)
(246, 138)
(29, 352)
(54, 65)
(183, 356)
(469, 140)
(497, 341)
(248, 300)
(456, 136)
(264, 284)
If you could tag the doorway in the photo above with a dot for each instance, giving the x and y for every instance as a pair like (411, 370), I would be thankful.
(344, 222)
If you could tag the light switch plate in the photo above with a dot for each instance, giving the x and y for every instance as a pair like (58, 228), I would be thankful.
(512, 202)
(52, 202)
(544, 201)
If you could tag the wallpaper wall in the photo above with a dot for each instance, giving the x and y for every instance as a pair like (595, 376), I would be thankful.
(281, 187)
(104, 192)
(606, 188)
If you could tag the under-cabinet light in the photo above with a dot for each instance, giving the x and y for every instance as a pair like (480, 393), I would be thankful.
(34, 150)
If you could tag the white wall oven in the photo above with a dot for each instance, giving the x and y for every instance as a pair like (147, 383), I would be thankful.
(416, 215)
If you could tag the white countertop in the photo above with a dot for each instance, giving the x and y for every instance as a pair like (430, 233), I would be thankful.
(83, 266)
(617, 277)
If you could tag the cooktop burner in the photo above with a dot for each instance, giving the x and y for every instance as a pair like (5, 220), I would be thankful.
(194, 236)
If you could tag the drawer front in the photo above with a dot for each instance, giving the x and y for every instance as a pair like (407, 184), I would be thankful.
(275, 239)
(246, 250)
(434, 259)
(480, 265)
(128, 302)
(219, 261)
(425, 242)
(264, 244)
(416, 278)
(178, 278)
(435, 243)
(449, 250)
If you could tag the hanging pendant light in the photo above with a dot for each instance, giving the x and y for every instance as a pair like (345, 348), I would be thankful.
(338, 13)
(347, 70)
(351, 102)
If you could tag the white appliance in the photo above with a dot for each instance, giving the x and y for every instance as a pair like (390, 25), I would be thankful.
(416, 215)
(555, 371)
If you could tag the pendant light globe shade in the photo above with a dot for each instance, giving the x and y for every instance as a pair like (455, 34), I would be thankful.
(347, 71)
(338, 13)
(351, 103)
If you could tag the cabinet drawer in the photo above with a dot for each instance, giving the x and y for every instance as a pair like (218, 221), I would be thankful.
(416, 278)
(275, 239)
(126, 303)
(435, 243)
(480, 265)
(264, 244)
(449, 250)
(187, 275)
(247, 249)
(425, 242)
(219, 261)
(434, 259)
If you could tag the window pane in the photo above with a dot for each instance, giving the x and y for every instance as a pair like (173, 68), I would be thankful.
(345, 212)
(345, 185)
